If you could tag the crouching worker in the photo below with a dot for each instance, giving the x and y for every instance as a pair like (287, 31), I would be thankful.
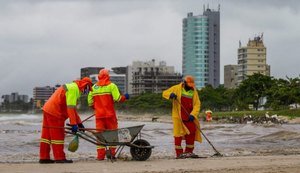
(185, 111)
(61, 106)
(102, 99)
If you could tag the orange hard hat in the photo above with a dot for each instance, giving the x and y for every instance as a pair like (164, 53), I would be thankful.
(189, 81)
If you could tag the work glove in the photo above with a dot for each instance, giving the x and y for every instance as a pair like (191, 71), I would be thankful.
(173, 96)
(80, 125)
(74, 128)
(191, 118)
(126, 96)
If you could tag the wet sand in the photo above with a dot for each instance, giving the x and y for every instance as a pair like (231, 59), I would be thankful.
(248, 164)
(247, 148)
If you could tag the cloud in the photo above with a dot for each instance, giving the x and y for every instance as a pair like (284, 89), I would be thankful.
(45, 42)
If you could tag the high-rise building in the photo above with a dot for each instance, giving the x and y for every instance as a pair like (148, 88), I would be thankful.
(252, 59)
(146, 76)
(201, 47)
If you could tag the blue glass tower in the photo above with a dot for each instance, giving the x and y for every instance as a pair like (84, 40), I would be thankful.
(201, 48)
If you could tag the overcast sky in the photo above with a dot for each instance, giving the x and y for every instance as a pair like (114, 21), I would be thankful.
(46, 42)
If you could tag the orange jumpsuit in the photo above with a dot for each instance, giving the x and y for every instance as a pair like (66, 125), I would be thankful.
(102, 99)
(60, 106)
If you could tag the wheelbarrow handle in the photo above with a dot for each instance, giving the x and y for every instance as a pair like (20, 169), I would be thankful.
(87, 118)
(57, 127)
(69, 128)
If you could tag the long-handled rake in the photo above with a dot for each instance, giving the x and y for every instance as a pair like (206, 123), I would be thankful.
(217, 152)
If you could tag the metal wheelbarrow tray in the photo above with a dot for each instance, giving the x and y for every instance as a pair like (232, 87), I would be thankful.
(140, 149)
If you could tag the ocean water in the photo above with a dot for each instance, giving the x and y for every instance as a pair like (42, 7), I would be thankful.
(20, 135)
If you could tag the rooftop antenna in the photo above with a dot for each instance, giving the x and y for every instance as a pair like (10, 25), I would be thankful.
(240, 44)
(203, 8)
(219, 6)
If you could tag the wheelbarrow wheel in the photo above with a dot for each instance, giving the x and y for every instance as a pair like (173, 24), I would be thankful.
(140, 154)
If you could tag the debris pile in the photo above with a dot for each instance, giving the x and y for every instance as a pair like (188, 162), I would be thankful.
(248, 119)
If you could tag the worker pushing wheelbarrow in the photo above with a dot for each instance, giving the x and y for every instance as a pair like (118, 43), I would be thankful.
(140, 149)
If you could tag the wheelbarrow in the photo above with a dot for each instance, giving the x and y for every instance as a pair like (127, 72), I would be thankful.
(140, 149)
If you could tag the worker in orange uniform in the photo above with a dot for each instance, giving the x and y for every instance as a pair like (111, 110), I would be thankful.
(208, 115)
(102, 97)
(185, 111)
(61, 106)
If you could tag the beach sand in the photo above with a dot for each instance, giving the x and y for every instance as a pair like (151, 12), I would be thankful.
(247, 148)
(248, 164)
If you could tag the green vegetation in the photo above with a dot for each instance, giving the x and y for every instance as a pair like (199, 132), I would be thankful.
(255, 93)
(146, 103)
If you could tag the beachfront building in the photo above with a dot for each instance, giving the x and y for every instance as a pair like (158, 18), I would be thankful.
(230, 76)
(13, 102)
(252, 59)
(146, 76)
(201, 47)
(14, 97)
(42, 94)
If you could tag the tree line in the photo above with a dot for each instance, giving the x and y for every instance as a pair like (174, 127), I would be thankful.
(257, 91)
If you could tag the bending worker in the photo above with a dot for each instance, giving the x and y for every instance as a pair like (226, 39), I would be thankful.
(61, 106)
(102, 99)
(185, 111)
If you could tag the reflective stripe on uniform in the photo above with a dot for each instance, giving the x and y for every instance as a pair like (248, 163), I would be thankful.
(101, 94)
(100, 146)
(189, 146)
(178, 147)
(57, 142)
(45, 141)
